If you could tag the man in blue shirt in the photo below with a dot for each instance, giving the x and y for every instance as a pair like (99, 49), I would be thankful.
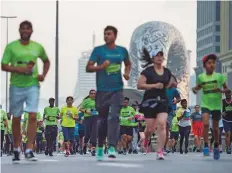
(173, 98)
(109, 98)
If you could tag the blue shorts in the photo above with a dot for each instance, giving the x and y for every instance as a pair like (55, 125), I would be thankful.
(227, 126)
(19, 96)
(68, 133)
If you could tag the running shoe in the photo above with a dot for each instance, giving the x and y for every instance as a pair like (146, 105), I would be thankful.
(81, 152)
(216, 153)
(220, 150)
(50, 153)
(93, 152)
(16, 157)
(46, 152)
(181, 151)
(66, 154)
(160, 155)
(30, 156)
(100, 153)
(206, 151)
(186, 151)
(85, 149)
(112, 153)
(228, 151)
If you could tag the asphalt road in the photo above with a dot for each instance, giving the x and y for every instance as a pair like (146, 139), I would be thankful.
(173, 163)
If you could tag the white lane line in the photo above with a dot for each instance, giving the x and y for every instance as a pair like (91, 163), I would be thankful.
(122, 165)
(47, 160)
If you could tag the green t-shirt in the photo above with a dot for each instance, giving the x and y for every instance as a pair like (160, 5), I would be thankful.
(88, 104)
(26, 115)
(17, 54)
(68, 114)
(125, 113)
(175, 126)
(3, 118)
(50, 114)
(211, 99)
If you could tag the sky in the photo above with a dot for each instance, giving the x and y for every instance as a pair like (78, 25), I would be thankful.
(77, 23)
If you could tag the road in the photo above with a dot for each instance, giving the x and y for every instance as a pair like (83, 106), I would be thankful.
(190, 163)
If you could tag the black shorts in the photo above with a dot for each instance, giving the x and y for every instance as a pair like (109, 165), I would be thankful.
(216, 114)
(153, 112)
(81, 133)
(174, 135)
(126, 130)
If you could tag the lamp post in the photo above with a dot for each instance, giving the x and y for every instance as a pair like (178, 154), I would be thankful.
(7, 31)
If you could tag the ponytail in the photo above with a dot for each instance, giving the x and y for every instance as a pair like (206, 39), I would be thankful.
(146, 58)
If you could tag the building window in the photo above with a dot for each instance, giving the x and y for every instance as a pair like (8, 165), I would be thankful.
(217, 38)
(218, 49)
(217, 11)
(218, 28)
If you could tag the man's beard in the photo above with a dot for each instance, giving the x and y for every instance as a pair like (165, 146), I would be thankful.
(25, 38)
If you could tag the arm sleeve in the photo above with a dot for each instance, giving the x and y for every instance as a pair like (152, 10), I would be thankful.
(43, 55)
(7, 55)
(145, 73)
(94, 55)
(223, 79)
(198, 80)
(126, 55)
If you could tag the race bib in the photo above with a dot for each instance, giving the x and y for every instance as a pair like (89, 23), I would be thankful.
(52, 119)
(113, 69)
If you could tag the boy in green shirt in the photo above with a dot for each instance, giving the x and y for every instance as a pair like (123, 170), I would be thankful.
(211, 84)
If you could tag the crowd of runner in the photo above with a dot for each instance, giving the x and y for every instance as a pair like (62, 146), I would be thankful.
(106, 121)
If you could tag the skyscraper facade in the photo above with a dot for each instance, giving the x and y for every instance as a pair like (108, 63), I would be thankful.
(85, 81)
(208, 33)
(226, 40)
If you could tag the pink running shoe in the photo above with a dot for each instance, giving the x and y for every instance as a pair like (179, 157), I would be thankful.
(160, 155)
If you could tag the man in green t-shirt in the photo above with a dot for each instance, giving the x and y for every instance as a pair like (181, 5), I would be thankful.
(127, 124)
(211, 84)
(20, 59)
(51, 114)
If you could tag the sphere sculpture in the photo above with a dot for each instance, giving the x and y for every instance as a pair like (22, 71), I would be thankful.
(161, 36)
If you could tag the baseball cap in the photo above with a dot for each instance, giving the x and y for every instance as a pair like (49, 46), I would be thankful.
(157, 52)
(208, 57)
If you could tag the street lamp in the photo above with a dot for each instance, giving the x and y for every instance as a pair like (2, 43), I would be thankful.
(7, 18)
(57, 56)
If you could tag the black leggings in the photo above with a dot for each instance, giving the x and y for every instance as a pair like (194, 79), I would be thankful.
(90, 124)
(2, 139)
(39, 141)
(184, 134)
(220, 136)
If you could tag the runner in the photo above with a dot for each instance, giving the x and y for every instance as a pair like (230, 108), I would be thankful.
(51, 113)
(39, 137)
(20, 58)
(227, 120)
(197, 127)
(174, 136)
(211, 102)
(8, 136)
(173, 98)
(81, 132)
(88, 107)
(3, 126)
(127, 114)
(109, 98)
(68, 114)
(183, 116)
(154, 80)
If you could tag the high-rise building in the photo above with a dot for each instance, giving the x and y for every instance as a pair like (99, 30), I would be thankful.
(208, 33)
(226, 40)
(85, 81)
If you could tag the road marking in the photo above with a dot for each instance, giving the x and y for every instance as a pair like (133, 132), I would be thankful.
(47, 160)
(122, 165)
